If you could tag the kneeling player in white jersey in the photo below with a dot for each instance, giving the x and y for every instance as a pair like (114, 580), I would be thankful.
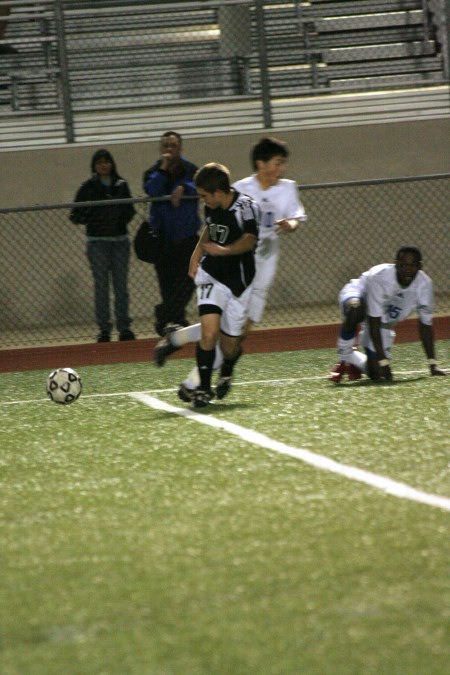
(281, 213)
(379, 299)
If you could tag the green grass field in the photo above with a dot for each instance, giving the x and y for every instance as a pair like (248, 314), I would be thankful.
(137, 540)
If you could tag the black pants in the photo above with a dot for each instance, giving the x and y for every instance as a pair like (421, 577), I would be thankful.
(175, 285)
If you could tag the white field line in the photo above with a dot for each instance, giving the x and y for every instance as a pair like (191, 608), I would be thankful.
(382, 483)
(235, 384)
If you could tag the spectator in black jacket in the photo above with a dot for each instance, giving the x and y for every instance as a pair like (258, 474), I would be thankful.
(177, 223)
(108, 242)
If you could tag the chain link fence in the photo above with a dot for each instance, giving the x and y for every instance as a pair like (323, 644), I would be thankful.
(46, 288)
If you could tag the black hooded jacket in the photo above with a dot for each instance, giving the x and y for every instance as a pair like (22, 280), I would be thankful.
(103, 221)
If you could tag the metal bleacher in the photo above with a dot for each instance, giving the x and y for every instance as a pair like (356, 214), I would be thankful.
(115, 65)
(29, 72)
(370, 44)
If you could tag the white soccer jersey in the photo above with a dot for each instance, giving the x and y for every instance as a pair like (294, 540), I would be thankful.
(391, 302)
(278, 202)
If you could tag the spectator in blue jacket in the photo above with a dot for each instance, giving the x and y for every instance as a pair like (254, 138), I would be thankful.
(108, 242)
(176, 222)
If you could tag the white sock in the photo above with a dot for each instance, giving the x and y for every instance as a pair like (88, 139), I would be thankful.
(358, 359)
(182, 336)
(345, 348)
(193, 379)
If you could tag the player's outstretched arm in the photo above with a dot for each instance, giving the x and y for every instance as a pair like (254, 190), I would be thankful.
(427, 338)
(286, 225)
(197, 253)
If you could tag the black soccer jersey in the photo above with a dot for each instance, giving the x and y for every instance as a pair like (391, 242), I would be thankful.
(226, 226)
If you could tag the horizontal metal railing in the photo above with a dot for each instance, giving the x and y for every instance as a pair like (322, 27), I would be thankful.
(46, 285)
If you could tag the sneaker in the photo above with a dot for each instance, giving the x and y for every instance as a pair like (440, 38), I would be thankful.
(223, 386)
(201, 398)
(353, 372)
(126, 335)
(337, 372)
(104, 336)
(163, 349)
(185, 394)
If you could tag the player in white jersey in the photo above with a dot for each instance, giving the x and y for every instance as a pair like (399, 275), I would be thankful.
(379, 299)
(281, 213)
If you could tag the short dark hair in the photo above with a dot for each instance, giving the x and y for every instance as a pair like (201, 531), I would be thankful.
(172, 133)
(212, 177)
(266, 149)
(406, 248)
(103, 153)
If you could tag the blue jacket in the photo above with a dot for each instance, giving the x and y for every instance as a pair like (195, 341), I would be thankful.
(176, 223)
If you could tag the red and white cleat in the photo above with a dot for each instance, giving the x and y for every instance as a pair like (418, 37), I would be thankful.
(342, 368)
(337, 372)
(353, 372)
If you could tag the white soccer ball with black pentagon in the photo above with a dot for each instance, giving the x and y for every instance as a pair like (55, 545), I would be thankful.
(64, 385)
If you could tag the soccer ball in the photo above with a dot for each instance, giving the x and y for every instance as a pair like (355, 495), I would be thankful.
(64, 385)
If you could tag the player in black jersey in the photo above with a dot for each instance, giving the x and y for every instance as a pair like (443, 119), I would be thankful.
(223, 267)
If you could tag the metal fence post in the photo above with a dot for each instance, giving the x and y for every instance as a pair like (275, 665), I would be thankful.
(446, 45)
(263, 63)
(64, 70)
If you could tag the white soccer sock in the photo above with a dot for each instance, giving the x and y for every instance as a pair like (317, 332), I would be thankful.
(193, 379)
(182, 336)
(345, 348)
(358, 359)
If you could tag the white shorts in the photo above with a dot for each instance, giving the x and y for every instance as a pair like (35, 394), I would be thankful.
(266, 260)
(353, 290)
(234, 310)
(387, 339)
(350, 290)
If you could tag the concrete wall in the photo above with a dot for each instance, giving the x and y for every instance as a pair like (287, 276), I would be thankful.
(47, 176)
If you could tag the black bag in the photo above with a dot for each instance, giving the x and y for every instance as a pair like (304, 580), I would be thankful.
(147, 243)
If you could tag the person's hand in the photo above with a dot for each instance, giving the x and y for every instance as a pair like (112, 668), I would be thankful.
(166, 158)
(437, 371)
(379, 373)
(177, 195)
(285, 225)
(386, 373)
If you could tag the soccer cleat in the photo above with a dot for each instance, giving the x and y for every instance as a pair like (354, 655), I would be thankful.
(172, 327)
(342, 368)
(337, 372)
(201, 398)
(163, 349)
(353, 372)
(185, 394)
(223, 386)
